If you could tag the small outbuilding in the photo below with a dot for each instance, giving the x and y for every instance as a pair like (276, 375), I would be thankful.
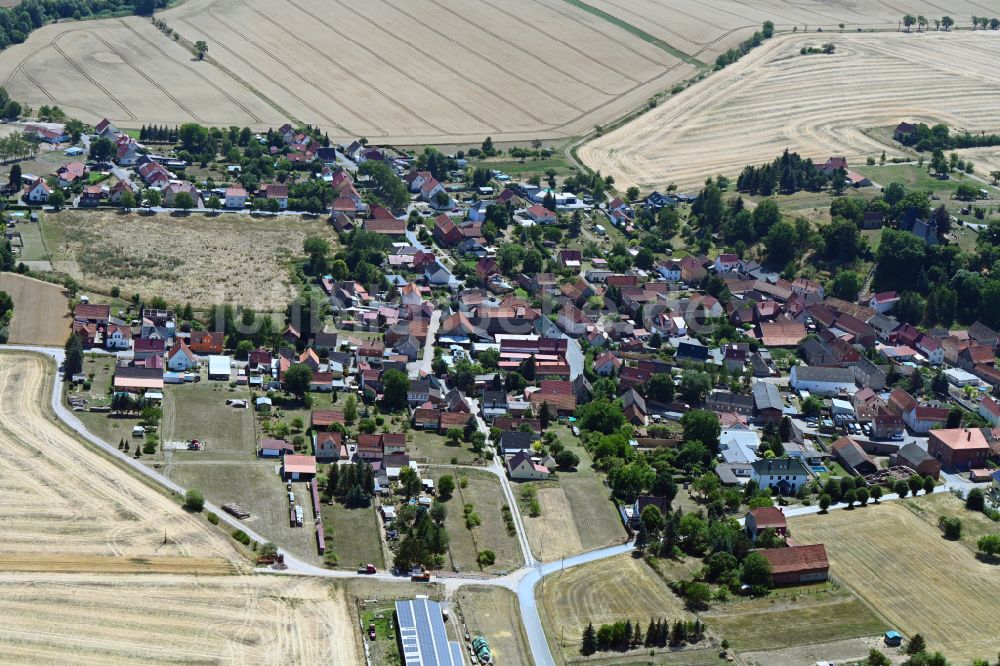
(275, 448)
(219, 368)
(298, 468)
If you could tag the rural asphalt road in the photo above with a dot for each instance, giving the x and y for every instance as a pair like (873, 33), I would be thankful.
(522, 581)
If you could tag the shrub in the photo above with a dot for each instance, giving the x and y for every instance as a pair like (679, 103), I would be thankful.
(486, 558)
(976, 500)
(194, 500)
(952, 527)
(212, 518)
(242, 537)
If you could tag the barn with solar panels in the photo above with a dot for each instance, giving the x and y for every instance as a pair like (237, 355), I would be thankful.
(423, 640)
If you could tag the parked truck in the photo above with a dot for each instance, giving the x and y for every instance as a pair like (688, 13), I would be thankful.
(420, 575)
(366, 569)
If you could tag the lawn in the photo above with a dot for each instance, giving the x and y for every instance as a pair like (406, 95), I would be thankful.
(783, 621)
(915, 178)
(354, 535)
(199, 411)
(974, 523)
(427, 446)
(595, 521)
(31, 236)
(256, 486)
(111, 429)
(528, 167)
(494, 613)
(484, 493)
(904, 569)
(620, 588)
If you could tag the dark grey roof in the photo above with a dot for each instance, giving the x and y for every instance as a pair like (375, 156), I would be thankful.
(766, 396)
(814, 374)
(852, 454)
(513, 440)
(792, 466)
(632, 396)
(913, 454)
(692, 351)
(884, 324)
(727, 401)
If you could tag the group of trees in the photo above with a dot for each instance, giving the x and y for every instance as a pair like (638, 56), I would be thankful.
(744, 47)
(939, 137)
(425, 540)
(354, 485)
(624, 635)
(6, 313)
(16, 146)
(17, 22)
(159, 134)
(786, 174)
(388, 188)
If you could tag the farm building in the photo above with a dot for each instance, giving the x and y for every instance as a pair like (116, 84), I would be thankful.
(918, 460)
(218, 368)
(758, 520)
(823, 381)
(853, 457)
(138, 379)
(422, 636)
(298, 468)
(959, 448)
(275, 448)
(797, 564)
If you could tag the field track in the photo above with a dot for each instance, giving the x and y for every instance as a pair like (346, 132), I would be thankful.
(818, 105)
(421, 71)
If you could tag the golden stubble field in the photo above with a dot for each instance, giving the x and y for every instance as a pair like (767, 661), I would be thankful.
(152, 619)
(817, 105)
(57, 496)
(41, 311)
(917, 580)
(420, 71)
(86, 578)
(203, 260)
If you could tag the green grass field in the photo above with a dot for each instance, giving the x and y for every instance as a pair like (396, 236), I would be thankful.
(254, 485)
(932, 507)
(529, 166)
(779, 622)
(199, 411)
(483, 492)
(354, 535)
(915, 178)
(430, 447)
(111, 429)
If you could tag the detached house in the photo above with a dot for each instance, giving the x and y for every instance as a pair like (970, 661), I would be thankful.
(521, 467)
(782, 475)
(38, 191)
(180, 358)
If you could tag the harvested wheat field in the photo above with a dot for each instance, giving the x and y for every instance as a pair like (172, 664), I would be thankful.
(818, 105)
(104, 619)
(195, 259)
(57, 496)
(912, 576)
(41, 311)
(618, 588)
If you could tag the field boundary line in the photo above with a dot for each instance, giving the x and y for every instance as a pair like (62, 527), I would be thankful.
(638, 32)
(55, 44)
(191, 69)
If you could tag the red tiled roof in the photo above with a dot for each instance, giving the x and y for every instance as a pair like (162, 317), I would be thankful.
(794, 559)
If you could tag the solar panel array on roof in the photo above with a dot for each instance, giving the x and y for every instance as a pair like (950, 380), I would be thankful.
(423, 636)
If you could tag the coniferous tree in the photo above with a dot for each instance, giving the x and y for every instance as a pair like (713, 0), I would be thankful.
(589, 640)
